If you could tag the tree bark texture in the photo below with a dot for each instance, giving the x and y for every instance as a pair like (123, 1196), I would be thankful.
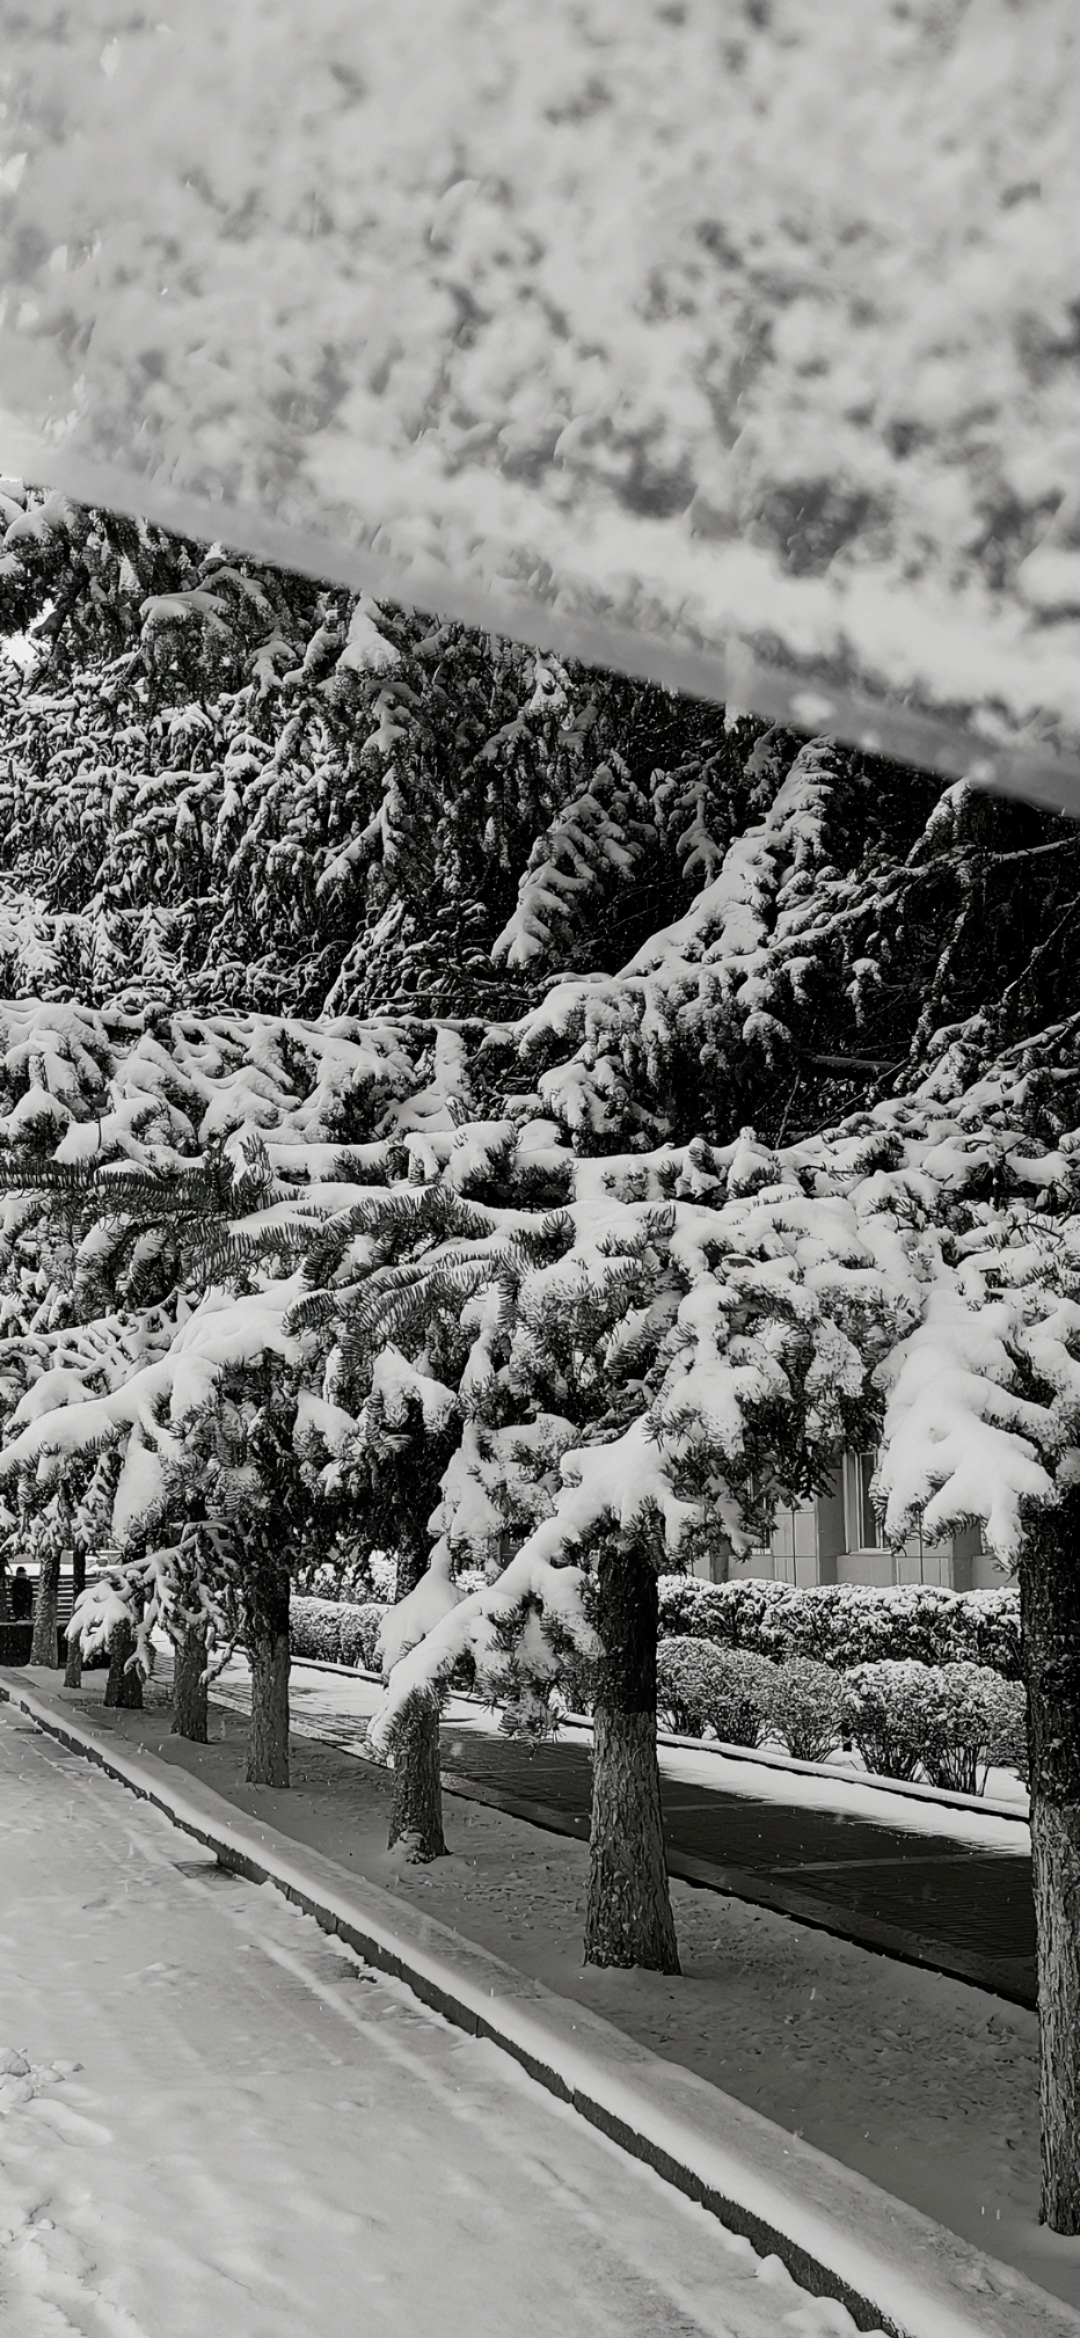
(416, 1811)
(43, 1641)
(190, 1693)
(267, 1643)
(73, 1665)
(123, 1688)
(628, 1917)
(4, 1609)
(1050, 1620)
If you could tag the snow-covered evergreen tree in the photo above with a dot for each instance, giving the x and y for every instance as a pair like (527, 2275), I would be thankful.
(512, 1267)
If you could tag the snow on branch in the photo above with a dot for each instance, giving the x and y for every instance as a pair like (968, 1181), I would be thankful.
(501, 1628)
(961, 1443)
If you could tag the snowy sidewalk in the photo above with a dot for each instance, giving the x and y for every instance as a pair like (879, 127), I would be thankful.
(935, 1879)
(257, 2135)
(747, 2157)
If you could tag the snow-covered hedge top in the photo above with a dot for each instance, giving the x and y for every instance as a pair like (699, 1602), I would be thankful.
(848, 1624)
(769, 328)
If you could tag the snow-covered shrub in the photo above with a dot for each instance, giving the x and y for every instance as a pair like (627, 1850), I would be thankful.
(577, 1685)
(315, 1628)
(358, 1633)
(348, 1576)
(950, 1720)
(731, 1615)
(1009, 1744)
(844, 1624)
(382, 1568)
(806, 1708)
(702, 1686)
(986, 1630)
(967, 1714)
(883, 1709)
(336, 1631)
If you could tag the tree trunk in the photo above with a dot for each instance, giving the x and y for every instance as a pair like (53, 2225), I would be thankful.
(4, 1609)
(73, 1667)
(1050, 1620)
(267, 1643)
(43, 1642)
(190, 1691)
(416, 1811)
(628, 1915)
(123, 1687)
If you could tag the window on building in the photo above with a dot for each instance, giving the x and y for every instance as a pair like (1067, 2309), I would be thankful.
(863, 1531)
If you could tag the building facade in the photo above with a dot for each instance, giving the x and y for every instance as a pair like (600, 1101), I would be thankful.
(837, 1539)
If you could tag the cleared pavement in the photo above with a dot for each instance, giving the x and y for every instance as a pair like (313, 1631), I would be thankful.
(927, 1899)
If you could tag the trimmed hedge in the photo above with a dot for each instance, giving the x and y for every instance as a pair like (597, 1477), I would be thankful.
(848, 1623)
(335, 1630)
(746, 1698)
(16, 1639)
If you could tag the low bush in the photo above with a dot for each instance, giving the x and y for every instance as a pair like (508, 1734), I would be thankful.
(731, 1615)
(315, 1628)
(353, 1576)
(1009, 1745)
(882, 1712)
(729, 1690)
(989, 1628)
(577, 1685)
(966, 1719)
(952, 1721)
(359, 1631)
(806, 1712)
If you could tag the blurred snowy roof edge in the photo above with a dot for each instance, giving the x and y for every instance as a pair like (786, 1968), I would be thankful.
(733, 346)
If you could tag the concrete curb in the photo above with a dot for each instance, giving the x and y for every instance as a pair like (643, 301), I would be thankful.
(838, 2235)
(984, 1806)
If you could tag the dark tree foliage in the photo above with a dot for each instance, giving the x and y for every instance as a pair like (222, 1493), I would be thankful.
(230, 788)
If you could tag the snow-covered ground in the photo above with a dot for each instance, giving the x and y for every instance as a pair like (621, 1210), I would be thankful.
(215, 2120)
(926, 2085)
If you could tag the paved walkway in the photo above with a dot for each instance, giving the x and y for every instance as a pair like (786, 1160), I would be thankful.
(959, 1908)
(964, 1911)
